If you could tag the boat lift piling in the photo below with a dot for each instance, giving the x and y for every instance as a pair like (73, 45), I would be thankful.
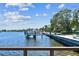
(34, 35)
(27, 35)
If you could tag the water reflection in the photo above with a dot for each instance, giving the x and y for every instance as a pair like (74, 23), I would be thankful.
(41, 40)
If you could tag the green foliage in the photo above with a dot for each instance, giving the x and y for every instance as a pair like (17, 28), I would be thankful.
(64, 21)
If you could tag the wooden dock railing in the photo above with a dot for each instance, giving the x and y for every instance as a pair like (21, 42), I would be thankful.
(50, 49)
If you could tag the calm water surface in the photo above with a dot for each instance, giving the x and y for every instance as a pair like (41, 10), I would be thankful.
(17, 39)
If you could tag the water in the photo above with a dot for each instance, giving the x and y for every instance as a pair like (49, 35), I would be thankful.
(9, 39)
(12, 39)
(17, 39)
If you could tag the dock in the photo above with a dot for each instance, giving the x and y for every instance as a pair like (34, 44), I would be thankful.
(65, 40)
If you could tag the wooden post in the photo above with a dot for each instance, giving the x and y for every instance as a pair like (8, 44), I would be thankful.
(34, 36)
(25, 52)
(51, 52)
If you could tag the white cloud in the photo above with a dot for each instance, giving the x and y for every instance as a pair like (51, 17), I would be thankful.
(15, 17)
(30, 5)
(48, 6)
(24, 9)
(37, 14)
(11, 4)
(22, 6)
(43, 14)
(54, 12)
(61, 6)
(19, 4)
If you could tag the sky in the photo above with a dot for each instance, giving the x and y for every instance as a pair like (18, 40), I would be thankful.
(30, 15)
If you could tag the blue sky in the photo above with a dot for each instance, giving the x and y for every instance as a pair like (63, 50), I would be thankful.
(29, 15)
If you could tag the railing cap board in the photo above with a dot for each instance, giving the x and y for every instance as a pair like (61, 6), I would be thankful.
(39, 48)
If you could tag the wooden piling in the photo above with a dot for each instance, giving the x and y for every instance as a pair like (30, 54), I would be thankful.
(34, 36)
(25, 52)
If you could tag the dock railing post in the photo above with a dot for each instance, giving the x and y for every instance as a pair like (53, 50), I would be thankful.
(25, 52)
(50, 49)
(51, 52)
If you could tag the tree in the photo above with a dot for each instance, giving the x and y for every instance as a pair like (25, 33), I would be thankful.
(61, 21)
(75, 20)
